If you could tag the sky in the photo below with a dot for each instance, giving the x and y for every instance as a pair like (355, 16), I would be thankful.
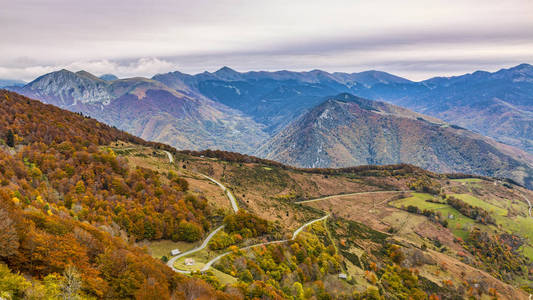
(410, 38)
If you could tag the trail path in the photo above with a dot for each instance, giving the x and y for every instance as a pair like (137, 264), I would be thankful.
(170, 157)
(226, 191)
(346, 195)
(528, 202)
(171, 261)
(294, 235)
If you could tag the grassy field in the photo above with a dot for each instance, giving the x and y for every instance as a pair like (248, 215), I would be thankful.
(468, 180)
(162, 248)
(200, 259)
(476, 202)
(519, 225)
(459, 224)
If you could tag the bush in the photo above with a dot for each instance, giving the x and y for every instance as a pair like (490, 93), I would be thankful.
(246, 224)
(189, 232)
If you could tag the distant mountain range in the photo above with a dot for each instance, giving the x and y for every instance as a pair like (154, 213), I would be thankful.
(499, 104)
(149, 109)
(346, 130)
(11, 83)
(240, 112)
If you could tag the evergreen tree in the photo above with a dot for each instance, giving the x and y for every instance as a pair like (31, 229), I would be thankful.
(10, 138)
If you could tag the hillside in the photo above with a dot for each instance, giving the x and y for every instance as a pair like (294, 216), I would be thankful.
(71, 210)
(497, 104)
(150, 110)
(375, 214)
(78, 197)
(347, 131)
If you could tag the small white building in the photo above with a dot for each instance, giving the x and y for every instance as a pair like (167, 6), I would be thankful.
(343, 276)
(189, 262)
(175, 252)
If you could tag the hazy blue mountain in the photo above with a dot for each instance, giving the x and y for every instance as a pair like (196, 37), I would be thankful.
(11, 83)
(498, 104)
(108, 77)
(270, 98)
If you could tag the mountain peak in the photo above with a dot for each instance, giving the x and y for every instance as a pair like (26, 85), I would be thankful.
(373, 77)
(225, 69)
(227, 73)
(523, 66)
(108, 77)
(88, 75)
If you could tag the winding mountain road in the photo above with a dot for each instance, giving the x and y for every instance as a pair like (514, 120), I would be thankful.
(233, 201)
(346, 195)
(294, 235)
(226, 191)
(528, 202)
(171, 261)
(170, 157)
(231, 198)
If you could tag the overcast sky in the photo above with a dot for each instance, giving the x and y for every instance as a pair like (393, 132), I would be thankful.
(410, 38)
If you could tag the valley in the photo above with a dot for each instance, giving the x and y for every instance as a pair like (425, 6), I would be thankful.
(266, 150)
(383, 211)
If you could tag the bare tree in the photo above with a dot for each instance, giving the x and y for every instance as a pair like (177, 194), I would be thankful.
(9, 241)
(71, 285)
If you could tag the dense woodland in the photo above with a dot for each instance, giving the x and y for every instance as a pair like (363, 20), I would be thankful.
(63, 198)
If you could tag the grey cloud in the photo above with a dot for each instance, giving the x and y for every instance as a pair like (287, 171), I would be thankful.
(147, 36)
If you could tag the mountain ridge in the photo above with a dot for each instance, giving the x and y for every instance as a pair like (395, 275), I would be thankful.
(180, 118)
(346, 130)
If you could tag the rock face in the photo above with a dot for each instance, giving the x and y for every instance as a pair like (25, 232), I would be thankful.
(151, 110)
(346, 130)
(64, 88)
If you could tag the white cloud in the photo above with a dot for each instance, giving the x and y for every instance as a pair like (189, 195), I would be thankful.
(141, 67)
(100, 35)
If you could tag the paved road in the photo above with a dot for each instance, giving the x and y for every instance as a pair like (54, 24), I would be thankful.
(346, 195)
(226, 191)
(294, 235)
(170, 158)
(528, 202)
(171, 262)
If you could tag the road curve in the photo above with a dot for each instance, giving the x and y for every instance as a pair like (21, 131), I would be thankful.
(351, 194)
(226, 191)
(170, 157)
(230, 196)
(528, 202)
(294, 235)
(171, 261)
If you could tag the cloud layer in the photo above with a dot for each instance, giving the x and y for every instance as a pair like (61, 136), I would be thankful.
(412, 38)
